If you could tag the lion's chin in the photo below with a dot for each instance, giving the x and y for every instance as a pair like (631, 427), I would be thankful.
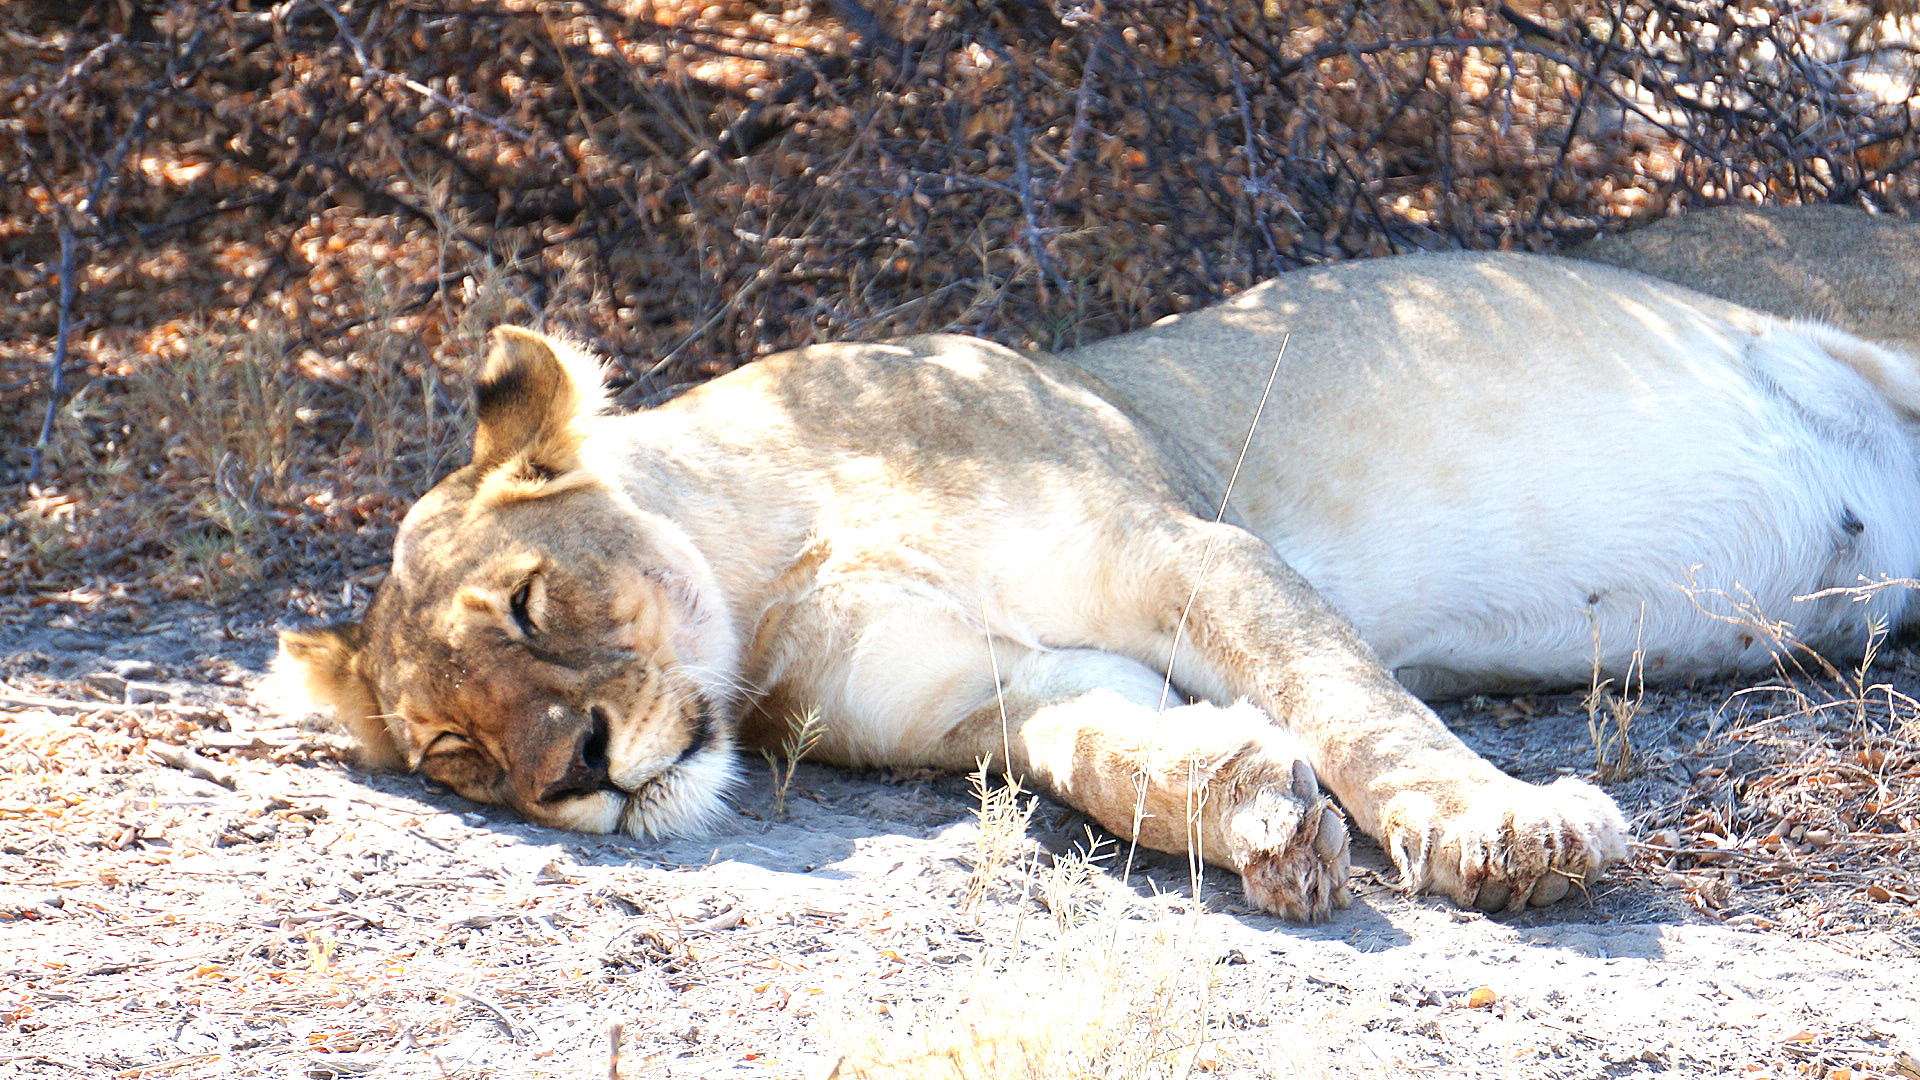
(686, 800)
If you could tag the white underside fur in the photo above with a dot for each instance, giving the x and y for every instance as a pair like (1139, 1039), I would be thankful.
(688, 800)
(1762, 469)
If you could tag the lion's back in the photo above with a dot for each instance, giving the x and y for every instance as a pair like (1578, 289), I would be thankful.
(1836, 264)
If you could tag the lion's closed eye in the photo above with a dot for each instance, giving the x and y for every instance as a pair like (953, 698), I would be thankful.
(457, 761)
(521, 606)
(447, 742)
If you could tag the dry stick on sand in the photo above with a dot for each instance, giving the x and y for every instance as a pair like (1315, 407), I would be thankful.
(178, 757)
(13, 697)
(486, 1003)
(50, 1059)
(19, 699)
(192, 764)
(614, 1032)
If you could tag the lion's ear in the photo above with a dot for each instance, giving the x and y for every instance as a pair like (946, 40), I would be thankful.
(323, 663)
(530, 395)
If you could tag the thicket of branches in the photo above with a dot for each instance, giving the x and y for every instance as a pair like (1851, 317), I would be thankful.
(323, 201)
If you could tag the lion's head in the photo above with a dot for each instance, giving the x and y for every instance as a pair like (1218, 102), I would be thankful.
(542, 643)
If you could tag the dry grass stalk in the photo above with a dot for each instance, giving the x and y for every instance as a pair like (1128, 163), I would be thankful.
(1610, 715)
(1068, 880)
(1004, 812)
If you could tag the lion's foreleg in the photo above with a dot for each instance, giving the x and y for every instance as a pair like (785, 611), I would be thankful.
(1221, 783)
(1236, 622)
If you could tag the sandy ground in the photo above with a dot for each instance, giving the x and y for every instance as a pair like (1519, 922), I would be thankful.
(257, 906)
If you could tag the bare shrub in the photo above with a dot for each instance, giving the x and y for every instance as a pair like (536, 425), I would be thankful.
(690, 185)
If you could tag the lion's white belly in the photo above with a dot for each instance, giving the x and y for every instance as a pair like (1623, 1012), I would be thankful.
(1483, 529)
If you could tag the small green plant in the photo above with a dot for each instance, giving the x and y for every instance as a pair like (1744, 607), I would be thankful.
(802, 737)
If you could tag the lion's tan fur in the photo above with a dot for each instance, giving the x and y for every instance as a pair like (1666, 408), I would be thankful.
(1471, 468)
(1836, 264)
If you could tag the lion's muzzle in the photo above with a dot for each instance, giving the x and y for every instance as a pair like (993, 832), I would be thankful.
(583, 771)
(562, 755)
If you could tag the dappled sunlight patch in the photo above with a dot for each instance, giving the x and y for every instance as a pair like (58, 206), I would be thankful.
(228, 455)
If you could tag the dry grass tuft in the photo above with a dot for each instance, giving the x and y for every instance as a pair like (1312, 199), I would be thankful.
(1111, 991)
(1002, 816)
(1811, 802)
(806, 734)
(1611, 712)
(232, 455)
(1112, 998)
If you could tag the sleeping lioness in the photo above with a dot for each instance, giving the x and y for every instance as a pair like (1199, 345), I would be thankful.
(1429, 474)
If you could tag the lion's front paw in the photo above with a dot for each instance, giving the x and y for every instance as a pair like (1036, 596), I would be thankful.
(1504, 844)
(1290, 846)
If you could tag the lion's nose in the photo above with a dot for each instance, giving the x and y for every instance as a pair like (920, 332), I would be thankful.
(587, 772)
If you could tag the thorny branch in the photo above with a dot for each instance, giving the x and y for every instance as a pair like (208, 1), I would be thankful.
(1006, 169)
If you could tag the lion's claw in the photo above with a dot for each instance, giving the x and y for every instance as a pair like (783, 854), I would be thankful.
(1291, 846)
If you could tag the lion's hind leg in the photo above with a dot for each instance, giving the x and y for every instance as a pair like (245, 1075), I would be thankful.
(1223, 783)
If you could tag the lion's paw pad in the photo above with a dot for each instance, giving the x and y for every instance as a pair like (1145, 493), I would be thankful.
(1507, 844)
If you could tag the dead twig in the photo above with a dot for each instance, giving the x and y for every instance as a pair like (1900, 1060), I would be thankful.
(50, 1059)
(498, 1013)
(730, 304)
(726, 920)
(19, 699)
(192, 764)
(57, 366)
(361, 57)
